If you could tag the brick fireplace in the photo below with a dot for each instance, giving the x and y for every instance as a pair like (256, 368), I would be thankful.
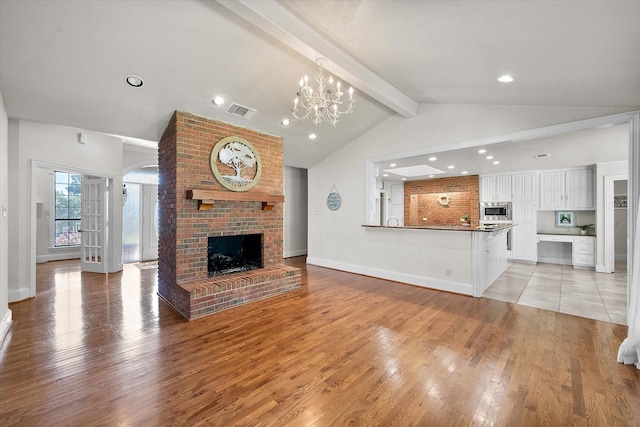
(194, 206)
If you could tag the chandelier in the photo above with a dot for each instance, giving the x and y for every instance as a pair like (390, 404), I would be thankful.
(323, 104)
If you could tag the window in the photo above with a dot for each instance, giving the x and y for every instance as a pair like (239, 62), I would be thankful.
(68, 205)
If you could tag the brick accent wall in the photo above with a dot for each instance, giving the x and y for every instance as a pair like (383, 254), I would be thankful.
(421, 201)
(183, 158)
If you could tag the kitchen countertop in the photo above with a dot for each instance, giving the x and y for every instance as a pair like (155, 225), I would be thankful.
(444, 227)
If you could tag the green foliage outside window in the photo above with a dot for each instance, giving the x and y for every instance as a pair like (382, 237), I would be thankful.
(68, 208)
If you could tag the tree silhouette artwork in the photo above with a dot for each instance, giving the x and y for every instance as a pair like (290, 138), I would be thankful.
(237, 156)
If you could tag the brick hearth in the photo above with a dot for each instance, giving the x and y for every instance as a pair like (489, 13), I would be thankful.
(183, 157)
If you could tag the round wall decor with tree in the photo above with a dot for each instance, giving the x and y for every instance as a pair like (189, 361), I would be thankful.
(235, 163)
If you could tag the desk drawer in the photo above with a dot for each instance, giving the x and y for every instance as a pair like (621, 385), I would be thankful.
(584, 260)
(554, 238)
(583, 249)
(584, 239)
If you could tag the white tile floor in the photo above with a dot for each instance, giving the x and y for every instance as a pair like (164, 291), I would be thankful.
(562, 288)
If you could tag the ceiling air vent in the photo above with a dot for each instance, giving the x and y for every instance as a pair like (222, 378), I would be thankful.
(542, 156)
(236, 109)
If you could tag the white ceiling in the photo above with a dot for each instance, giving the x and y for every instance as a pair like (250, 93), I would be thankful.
(64, 62)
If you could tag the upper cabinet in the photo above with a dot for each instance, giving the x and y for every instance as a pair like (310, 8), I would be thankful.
(495, 188)
(523, 187)
(566, 189)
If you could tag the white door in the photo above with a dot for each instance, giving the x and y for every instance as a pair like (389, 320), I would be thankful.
(149, 217)
(94, 225)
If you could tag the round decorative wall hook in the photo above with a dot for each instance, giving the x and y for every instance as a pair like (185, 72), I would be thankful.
(334, 200)
(444, 200)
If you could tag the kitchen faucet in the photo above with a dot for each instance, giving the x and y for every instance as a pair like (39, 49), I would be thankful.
(393, 217)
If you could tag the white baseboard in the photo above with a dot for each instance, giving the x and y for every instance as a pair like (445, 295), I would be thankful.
(621, 257)
(57, 257)
(16, 295)
(297, 252)
(411, 279)
(5, 324)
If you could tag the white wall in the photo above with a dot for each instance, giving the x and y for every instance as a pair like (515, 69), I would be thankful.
(5, 313)
(295, 211)
(337, 239)
(547, 222)
(135, 157)
(57, 145)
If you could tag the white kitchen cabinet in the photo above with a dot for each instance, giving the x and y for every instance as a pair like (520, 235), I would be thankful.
(524, 242)
(566, 189)
(523, 187)
(579, 187)
(495, 188)
(489, 258)
(583, 251)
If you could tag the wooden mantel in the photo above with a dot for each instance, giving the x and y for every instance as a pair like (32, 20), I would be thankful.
(206, 198)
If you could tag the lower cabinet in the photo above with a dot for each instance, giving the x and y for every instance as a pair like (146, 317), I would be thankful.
(583, 253)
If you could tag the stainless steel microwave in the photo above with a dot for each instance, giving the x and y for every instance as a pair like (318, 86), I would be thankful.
(495, 211)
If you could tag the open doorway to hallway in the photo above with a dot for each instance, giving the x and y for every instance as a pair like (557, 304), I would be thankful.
(140, 215)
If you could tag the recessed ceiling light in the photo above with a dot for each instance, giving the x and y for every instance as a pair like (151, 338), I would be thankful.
(313, 135)
(430, 176)
(392, 165)
(482, 151)
(134, 81)
(505, 79)
(450, 167)
(285, 122)
(489, 157)
(464, 172)
(385, 175)
(497, 162)
(218, 100)
(433, 158)
(404, 179)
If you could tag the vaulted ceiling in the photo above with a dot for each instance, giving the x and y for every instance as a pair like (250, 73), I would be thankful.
(65, 62)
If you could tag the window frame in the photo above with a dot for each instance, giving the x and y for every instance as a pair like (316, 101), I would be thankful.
(53, 244)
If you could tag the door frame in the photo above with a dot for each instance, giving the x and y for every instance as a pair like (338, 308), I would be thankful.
(33, 191)
(133, 167)
(609, 250)
(148, 221)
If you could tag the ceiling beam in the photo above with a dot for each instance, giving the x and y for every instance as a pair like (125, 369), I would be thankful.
(277, 21)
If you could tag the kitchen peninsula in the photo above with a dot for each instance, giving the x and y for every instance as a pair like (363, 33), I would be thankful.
(480, 253)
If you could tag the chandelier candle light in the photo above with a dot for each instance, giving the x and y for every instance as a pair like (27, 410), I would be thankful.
(323, 104)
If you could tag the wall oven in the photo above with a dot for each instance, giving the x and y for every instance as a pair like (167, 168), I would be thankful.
(495, 212)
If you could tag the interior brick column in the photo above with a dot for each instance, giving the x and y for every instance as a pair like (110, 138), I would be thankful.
(183, 159)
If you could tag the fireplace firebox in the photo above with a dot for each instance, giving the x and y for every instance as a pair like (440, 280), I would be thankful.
(230, 254)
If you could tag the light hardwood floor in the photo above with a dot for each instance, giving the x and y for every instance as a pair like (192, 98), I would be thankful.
(343, 350)
(581, 292)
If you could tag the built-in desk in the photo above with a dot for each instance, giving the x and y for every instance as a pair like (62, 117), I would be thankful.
(579, 251)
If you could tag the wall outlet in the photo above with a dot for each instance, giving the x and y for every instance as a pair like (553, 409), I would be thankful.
(447, 272)
(314, 212)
